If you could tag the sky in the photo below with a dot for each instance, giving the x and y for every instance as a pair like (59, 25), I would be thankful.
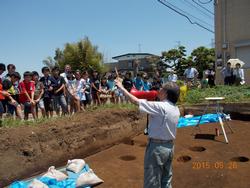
(31, 30)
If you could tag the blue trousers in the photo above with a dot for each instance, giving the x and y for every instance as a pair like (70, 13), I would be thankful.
(60, 101)
(158, 165)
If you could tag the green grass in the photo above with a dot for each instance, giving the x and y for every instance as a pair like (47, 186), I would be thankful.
(10, 122)
(231, 94)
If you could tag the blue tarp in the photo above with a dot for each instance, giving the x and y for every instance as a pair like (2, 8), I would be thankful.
(192, 121)
(70, 182)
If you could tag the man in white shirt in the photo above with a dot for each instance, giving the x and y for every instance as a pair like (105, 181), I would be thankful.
(172, 77)
(227, 73)
(67, 70)
(190, 74)
(163, 119)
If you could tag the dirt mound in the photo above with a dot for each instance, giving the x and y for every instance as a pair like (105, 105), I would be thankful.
(30, 150)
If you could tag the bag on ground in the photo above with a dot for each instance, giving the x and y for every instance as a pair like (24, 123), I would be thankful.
(88, 179)
(75, 165)
(55, 174)
(37, 184)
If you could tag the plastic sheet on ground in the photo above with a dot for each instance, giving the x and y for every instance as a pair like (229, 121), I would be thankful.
(192, 121)
(70, 182)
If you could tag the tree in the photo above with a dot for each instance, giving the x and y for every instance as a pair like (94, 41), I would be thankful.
(49, 62)
(82, 55)
(173, 59)
(202, 57)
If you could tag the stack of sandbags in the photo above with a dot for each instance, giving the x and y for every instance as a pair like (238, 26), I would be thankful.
(78, 175)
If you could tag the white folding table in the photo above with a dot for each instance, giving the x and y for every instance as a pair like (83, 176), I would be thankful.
(216, 101)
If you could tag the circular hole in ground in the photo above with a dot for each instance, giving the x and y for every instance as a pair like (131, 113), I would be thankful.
(127, 157)
(128, 141)
(184, 158)
(197, 148)
(240, 159)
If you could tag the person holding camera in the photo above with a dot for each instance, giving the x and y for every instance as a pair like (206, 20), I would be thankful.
(163, 119)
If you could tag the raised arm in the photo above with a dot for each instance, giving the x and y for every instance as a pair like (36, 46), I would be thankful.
(131, 97)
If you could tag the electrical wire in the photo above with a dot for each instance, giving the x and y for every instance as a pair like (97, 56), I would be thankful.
(197, 8)
(180, 12)
(186, 13)
(203, 7)
(206, 2)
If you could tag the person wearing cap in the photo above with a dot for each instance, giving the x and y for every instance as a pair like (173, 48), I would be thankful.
(163, 119)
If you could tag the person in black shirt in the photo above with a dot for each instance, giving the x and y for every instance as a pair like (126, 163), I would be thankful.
(95, 88)
(156, 84)
(127, 82)
(210, 75)
(48, 92)
(58, 84)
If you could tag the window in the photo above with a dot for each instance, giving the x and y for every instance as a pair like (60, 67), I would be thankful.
(130, 64)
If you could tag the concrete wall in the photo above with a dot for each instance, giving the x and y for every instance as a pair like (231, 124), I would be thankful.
(232, 32)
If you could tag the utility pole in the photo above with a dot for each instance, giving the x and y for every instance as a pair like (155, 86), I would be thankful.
(178, 43)
(139, 47)
(212, 43)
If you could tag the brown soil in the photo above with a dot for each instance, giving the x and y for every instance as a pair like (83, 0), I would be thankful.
(200, 163)
(30, 150)
(203, 162)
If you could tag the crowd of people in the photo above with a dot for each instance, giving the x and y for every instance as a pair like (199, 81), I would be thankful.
(71, 92)
(61, 94)
(233, 75)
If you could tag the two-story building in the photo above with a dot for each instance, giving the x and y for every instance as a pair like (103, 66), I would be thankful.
(129, 61)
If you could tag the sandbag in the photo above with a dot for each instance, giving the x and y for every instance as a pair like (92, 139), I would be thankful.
(55, 174)
(75, 165)
(88, 179)
(37, 184)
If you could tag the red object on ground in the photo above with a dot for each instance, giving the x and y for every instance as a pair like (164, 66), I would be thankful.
(149, 95)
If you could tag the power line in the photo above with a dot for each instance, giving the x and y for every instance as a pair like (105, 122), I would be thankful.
(205, 2)
(197, 8)
(203, 7)
(180, 12)
(186, 13)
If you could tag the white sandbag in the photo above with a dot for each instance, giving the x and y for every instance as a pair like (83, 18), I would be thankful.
(55, 174)
(88, 179)
(37, 184)
(75, 165)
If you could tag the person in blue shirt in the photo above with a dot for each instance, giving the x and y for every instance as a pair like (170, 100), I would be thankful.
(138, 82)
(112, 87)
(146, 84)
